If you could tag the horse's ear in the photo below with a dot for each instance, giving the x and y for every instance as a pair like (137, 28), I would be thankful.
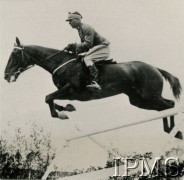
(18, 42)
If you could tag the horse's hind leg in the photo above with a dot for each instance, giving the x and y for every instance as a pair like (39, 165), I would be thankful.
(151, 103)
(149, 97)
(165, 103)
(159, 104)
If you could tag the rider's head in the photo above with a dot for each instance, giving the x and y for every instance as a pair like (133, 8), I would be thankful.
(74, 19)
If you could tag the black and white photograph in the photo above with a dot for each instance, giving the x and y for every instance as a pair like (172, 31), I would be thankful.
(92, 89)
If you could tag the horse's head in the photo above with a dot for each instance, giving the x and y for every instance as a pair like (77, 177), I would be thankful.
(16, 63)
(24, 57)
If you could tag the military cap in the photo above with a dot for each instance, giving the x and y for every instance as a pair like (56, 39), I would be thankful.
(74, 15)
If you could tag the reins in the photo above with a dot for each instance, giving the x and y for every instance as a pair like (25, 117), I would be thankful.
(39, 62)
(50, 56)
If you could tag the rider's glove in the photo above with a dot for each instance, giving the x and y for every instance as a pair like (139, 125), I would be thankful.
(79, 48)
(71, 47)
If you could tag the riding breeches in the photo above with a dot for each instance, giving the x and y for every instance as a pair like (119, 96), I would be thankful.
(97, 53)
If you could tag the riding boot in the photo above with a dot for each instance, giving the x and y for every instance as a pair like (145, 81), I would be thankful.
(94, 75)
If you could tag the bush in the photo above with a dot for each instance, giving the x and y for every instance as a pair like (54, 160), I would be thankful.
(25, 155)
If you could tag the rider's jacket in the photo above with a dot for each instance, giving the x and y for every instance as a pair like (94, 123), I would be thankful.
(89, 38)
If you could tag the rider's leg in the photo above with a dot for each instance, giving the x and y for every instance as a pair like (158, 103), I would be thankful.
(94, 78)
(93, 72)
(97, 53)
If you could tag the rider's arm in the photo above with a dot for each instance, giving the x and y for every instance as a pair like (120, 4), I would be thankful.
(88, 33)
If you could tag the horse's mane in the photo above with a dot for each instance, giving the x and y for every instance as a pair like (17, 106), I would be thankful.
(42, 48)
(51, 50)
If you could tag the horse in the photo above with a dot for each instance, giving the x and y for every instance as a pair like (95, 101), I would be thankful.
(141, 82)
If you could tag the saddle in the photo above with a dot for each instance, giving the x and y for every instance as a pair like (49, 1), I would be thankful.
(105, 61)
(80, 57)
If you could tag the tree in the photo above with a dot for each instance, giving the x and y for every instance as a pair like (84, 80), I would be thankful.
(25, 155)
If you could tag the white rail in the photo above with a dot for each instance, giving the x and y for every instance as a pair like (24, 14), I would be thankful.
(161, 115)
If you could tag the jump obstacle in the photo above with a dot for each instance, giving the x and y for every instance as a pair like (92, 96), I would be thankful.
(164, 115)
(168, 117)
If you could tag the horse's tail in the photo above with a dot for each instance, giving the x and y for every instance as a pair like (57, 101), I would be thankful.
(174, 83)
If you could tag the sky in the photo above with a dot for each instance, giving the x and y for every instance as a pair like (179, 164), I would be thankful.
(148, 31)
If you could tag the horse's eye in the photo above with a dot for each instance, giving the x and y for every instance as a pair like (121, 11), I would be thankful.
(15, 53)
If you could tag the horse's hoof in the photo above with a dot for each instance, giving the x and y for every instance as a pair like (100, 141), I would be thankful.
(70, 108)
(62, 115)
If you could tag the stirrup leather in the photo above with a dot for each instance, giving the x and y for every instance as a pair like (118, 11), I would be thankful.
(94, 85)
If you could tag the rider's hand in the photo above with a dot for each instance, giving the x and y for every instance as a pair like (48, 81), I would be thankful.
(79, 48)
(70, 47)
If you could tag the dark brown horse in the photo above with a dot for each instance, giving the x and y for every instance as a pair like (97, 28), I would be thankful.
(142, 82)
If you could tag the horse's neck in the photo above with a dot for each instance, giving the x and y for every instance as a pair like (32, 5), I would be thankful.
(48, 59)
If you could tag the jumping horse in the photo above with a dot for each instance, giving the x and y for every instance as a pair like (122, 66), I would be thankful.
(141, 82)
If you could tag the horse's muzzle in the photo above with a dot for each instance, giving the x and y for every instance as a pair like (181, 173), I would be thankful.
(7, 77)
(10, 78)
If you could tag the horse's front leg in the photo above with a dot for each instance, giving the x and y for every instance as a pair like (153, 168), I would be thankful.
(69, 107)
(57, 95)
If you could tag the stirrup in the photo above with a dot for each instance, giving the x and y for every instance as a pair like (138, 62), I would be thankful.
(94, 86)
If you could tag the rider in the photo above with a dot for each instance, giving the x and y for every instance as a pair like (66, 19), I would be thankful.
(96, 46)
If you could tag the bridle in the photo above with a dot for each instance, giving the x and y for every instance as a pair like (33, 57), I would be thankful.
(20, 70)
